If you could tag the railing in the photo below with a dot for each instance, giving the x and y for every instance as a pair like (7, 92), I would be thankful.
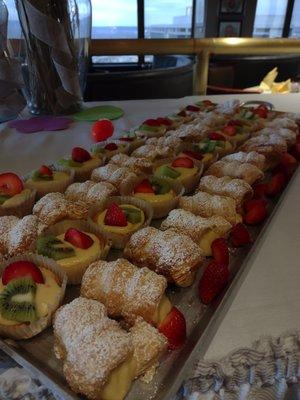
(201, 48)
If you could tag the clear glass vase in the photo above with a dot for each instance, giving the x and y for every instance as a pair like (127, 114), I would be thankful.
(56, 37)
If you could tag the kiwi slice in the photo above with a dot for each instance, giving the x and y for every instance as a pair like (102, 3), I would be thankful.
(160, 186)
(50, 246)
(169, 172)
(69, 163)
(36, 176)
(17, 300)
(3, 198)
(132, 214)
(149, 128)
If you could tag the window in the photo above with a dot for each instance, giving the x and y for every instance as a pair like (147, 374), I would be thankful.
(269, 18)
(168, 19)
(199, 23)
(14, 28)
(295, 23)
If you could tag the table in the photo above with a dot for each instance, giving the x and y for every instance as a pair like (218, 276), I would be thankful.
(267, 298)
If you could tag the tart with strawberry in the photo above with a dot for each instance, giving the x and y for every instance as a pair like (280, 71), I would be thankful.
(182, 169)
(15, 199)
(49, 179)
(82, 163)
(151, 128)
(74, 245)
(132, 140)
(236, 131)
(31, 290)
(120, 218)
(206, 105)
(215, 143)
(110, 148)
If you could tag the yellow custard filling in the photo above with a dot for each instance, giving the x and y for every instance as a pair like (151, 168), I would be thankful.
(17, 198)
(206, 241)
(162, 310)
(184, 172)
(227, 149)
(90, 164)
(119, 381)
(156, 198)
(120, 229)
(45, 298)
(58, 176)
(207, 158)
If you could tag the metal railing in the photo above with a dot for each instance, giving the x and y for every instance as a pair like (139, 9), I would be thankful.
(201, 48)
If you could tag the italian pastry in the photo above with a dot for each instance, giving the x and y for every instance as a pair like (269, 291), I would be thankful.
(151, 128)
(153, 152)
(236, 169)
(109, 148)
(283, 122)
(168, 253)
(100, 359)
(189, 132)
(120, 217)
(31, 290)
(89, 192)
(82, 163)
(237, 189)
(163, 141)
(15, 199)
(55, 207)
(288, 135)
(118, 176)
(127, 291)
(48, 179)
(207, 205)
(136, 165)
(254, 158)
(202, 231)
(74, 245)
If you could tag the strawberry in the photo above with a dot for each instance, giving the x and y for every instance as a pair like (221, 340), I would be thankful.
(192, 108)
(80, 155)
(220, 251)
(111, 147)
(10, 184)
(207, 103)
(250, 204)
(173, 327)
(240, 235)
(234, 122)
(276, 184)
(259, 190)
(144, 187)
(115, 216)
(230, 130)
(261, 111)
(78, 239)
(216, 136)
(183, 162)
(288, 164)
(102, 130)
(193, 154)
(256, 214)
(21, 269)
(182, 113)
(295, 151)
(213, 281)
(164, 121)
(151, 122)
(45, 171)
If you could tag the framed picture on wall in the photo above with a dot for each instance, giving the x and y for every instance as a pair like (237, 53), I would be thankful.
(232, 6)
(230, 28)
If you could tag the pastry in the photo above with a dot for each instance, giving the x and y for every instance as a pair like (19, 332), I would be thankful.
(170, 141)
(202, 231)
(168, 253)
(283, 122)
(82, 163)
(207, 205)
(91, 193)
(206, 105)
(236, 169)
(15, 199)
(127, 291)
(31, 289)
(132, 140)
(153, 152)
(74, 245)
(151, 128)
(49, 179)
(288, 135)
(191, 132)
(215, 143)
(237, 189)
(109, 148)
(55, 207)
(252, 157)
(134, 164)
(118, 176)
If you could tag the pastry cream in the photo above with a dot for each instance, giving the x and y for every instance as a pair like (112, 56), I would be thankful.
(89, 164)
(224, 150)
(99, 218)
(162, 310)
(120, 380)
(45, 297)
(58, 176)
(207, 158)
(17, 199)
(206, 241)
(156, 198)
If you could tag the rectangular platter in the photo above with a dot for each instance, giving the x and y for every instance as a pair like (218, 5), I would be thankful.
(37, 355)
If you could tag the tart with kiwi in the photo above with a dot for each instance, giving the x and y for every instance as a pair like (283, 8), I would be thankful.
(82, 163)
(49, 179)
(15, 198)
(132, 140)
(120, 217)
(236, 131)
(215, 143)
(206, 105)
(31, 290)
(181, 169)
(151, 128)
(109, 148)
(74, 245)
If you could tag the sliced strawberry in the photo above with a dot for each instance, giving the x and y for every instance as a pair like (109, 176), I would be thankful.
(183, 162)
(256, 214)
(78, 239)
(115, 216)
(295, 151)
(261, 111)
(164, 121)
(144, 187)
(193, 154)
(46, 171)
(102, 130)
(248, 205)
(182, 113)
(259, 190)
(80, 155)
(216, 136)
(207, 103)
(151, 122)
(21, 269)
(127, 139)
(240, 235)
(10, 184)
(220, 251)
(192, 108)
(174, 328)
(276, 184)
(213, 281)
(230, 130)
(111, 147)
(234, 122)
(288, 163)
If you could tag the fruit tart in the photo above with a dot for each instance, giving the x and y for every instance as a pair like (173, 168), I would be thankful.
(109, 148)
(31, 289)
(15, 199)
(74, 245)
(161, 193)
(132, 140)
(120, 217)
(235, 131)
(216, 142)
(49, 179)
(151, 128)
(82, 163)
(206, 105)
